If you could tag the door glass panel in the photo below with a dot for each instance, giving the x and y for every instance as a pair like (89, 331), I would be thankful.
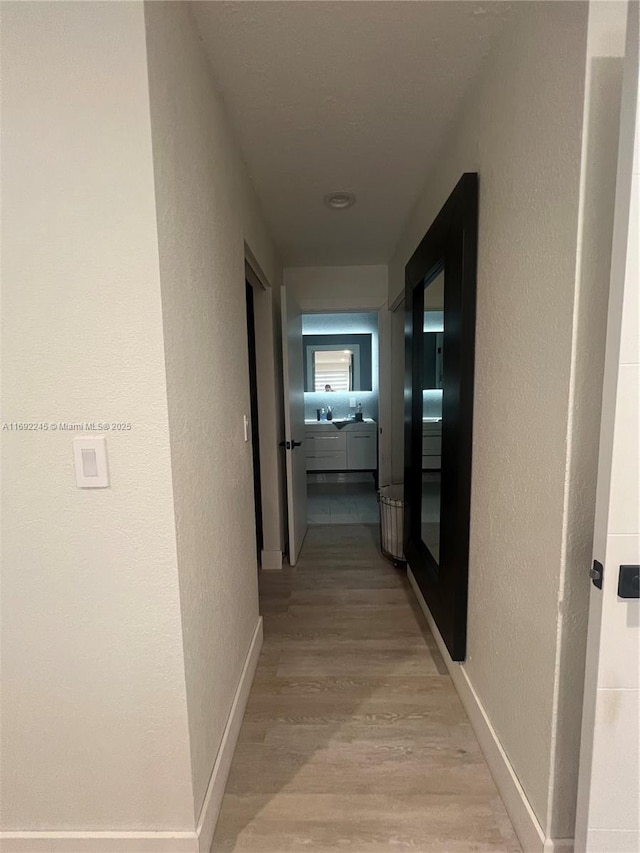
(432, 384)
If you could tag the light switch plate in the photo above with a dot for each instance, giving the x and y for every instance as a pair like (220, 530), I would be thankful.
(90, 459)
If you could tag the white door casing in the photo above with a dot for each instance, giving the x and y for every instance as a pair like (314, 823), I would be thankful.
(608, 813)
(293, 374)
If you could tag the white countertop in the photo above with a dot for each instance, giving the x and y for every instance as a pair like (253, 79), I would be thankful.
(317, 423)
(431, 420)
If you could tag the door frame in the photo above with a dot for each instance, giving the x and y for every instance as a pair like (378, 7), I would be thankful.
(294, 422)
(349, 306)
(612, 616)
(269, 385)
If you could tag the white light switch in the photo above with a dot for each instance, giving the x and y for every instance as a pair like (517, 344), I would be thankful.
(352, 402)
(90, 458)
(89, 463)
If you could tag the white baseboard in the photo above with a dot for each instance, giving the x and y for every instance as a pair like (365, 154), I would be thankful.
(271, 560)
(99, 842)
(215, 791)
(559, 845)
(523, 818)
(198, 841)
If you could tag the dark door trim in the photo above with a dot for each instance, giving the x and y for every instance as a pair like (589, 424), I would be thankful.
(450, 244)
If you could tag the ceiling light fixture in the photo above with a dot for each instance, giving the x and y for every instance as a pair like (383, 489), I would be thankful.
(340, 200)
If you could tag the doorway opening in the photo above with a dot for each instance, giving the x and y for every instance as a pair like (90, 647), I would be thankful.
(254, 425)
(341, 412)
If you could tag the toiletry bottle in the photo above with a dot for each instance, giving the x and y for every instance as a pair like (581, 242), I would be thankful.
(329, 413)
(323, 417)
(359, 412)
(318, 413)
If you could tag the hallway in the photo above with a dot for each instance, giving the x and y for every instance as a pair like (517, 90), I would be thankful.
(354, 737)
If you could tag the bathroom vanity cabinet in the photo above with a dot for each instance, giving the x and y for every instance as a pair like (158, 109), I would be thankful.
(431, 445)
(352, 448)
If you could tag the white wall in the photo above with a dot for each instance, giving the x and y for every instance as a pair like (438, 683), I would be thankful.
(206, 210)
(94, 717)
(338, 288)
(127, 612)
(539, 317)
(608, 805)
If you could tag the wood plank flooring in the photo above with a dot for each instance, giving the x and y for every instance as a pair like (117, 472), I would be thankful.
(354, 737)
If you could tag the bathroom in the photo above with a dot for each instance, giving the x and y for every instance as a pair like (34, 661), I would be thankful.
(341, 402)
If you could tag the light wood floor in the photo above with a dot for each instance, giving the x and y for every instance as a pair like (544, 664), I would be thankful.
(354, 737)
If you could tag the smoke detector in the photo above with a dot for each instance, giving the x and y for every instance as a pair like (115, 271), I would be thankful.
(340, 200)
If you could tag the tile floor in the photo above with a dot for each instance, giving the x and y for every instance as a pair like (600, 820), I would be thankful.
(354, 738)
(341, 499)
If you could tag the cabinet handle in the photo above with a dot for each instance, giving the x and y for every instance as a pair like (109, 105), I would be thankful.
(361, 436)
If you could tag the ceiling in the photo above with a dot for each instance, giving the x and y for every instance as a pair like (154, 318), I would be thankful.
(355, 96)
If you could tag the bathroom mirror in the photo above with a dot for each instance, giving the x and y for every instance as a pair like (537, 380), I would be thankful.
(334, 370)
(432, 374)
(440, 292)
(337, 362)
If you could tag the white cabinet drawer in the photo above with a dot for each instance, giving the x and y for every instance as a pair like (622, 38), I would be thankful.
(431, 444)
(431, 463)
(432, 429)
(350, 449)
(326, 460)
(324, 440)
(362, 450)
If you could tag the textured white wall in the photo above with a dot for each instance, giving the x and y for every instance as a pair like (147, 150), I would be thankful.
(521, 130)
(338, 288)
(94, 718)
(206, 211)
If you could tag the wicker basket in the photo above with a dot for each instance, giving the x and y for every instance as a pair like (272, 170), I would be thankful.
(391, 501)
